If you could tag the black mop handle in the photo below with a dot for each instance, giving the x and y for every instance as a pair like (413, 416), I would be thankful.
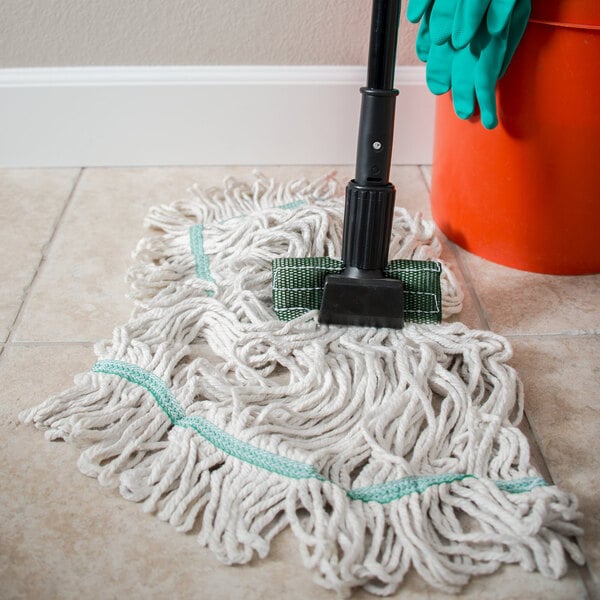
(370, 197)
(376, 129)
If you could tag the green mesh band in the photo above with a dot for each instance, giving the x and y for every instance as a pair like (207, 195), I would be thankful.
(217, 437)
(298, 286)
(201, 260)
(275, 463)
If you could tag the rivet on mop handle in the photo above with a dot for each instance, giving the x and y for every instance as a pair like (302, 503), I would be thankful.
(361, 295)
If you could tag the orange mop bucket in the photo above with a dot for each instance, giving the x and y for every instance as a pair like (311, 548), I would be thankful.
(527, 194)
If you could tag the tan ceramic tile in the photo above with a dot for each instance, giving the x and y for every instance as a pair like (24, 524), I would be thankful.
(521, 302)
(411, 190)
(74, 539)
(31, 202)
(80, 293)
(513, 583)
(562, 398)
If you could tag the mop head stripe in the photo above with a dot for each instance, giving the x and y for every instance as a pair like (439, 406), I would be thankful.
(381, 449)
(382, 493)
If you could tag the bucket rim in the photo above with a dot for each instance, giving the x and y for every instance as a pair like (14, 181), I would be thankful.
(572, 14)
(566, 25)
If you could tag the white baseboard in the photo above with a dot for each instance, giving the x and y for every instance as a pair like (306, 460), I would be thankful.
(105, 116)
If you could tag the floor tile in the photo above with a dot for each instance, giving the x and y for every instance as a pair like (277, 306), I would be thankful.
(561, 376)
(50, 545)
(519, 302)
(80, 293)
(411, 190)
(31, 202)
(512, 583)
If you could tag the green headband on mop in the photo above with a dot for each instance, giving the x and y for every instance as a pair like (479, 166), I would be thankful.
(298, 286)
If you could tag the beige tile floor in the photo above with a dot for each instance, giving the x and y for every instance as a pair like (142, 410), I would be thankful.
(66, 240)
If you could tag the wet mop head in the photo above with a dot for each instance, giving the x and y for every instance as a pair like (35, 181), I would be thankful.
(382, 449)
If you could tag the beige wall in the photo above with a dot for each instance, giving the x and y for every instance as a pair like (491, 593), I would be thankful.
(40, 33)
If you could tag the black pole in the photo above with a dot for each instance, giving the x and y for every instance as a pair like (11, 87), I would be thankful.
(376, 128)
(385, 19)
(370, 196)
(361, 295)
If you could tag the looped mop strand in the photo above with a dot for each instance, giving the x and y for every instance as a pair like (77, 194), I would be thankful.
(382, 449)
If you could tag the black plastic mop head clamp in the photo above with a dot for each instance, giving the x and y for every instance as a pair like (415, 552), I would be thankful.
(361, 294)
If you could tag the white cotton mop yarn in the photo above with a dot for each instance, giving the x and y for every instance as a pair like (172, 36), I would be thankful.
(381, 449)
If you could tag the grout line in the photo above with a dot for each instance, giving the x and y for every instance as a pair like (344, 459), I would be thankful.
(45, 251)
(589, 580)
(575, 333)
(467, 276)
(45, 344)
(536, 439)
(424, 177)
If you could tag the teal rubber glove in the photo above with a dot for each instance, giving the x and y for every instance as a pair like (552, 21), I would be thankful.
(459, 21)
(471, 72)
(516, 29)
